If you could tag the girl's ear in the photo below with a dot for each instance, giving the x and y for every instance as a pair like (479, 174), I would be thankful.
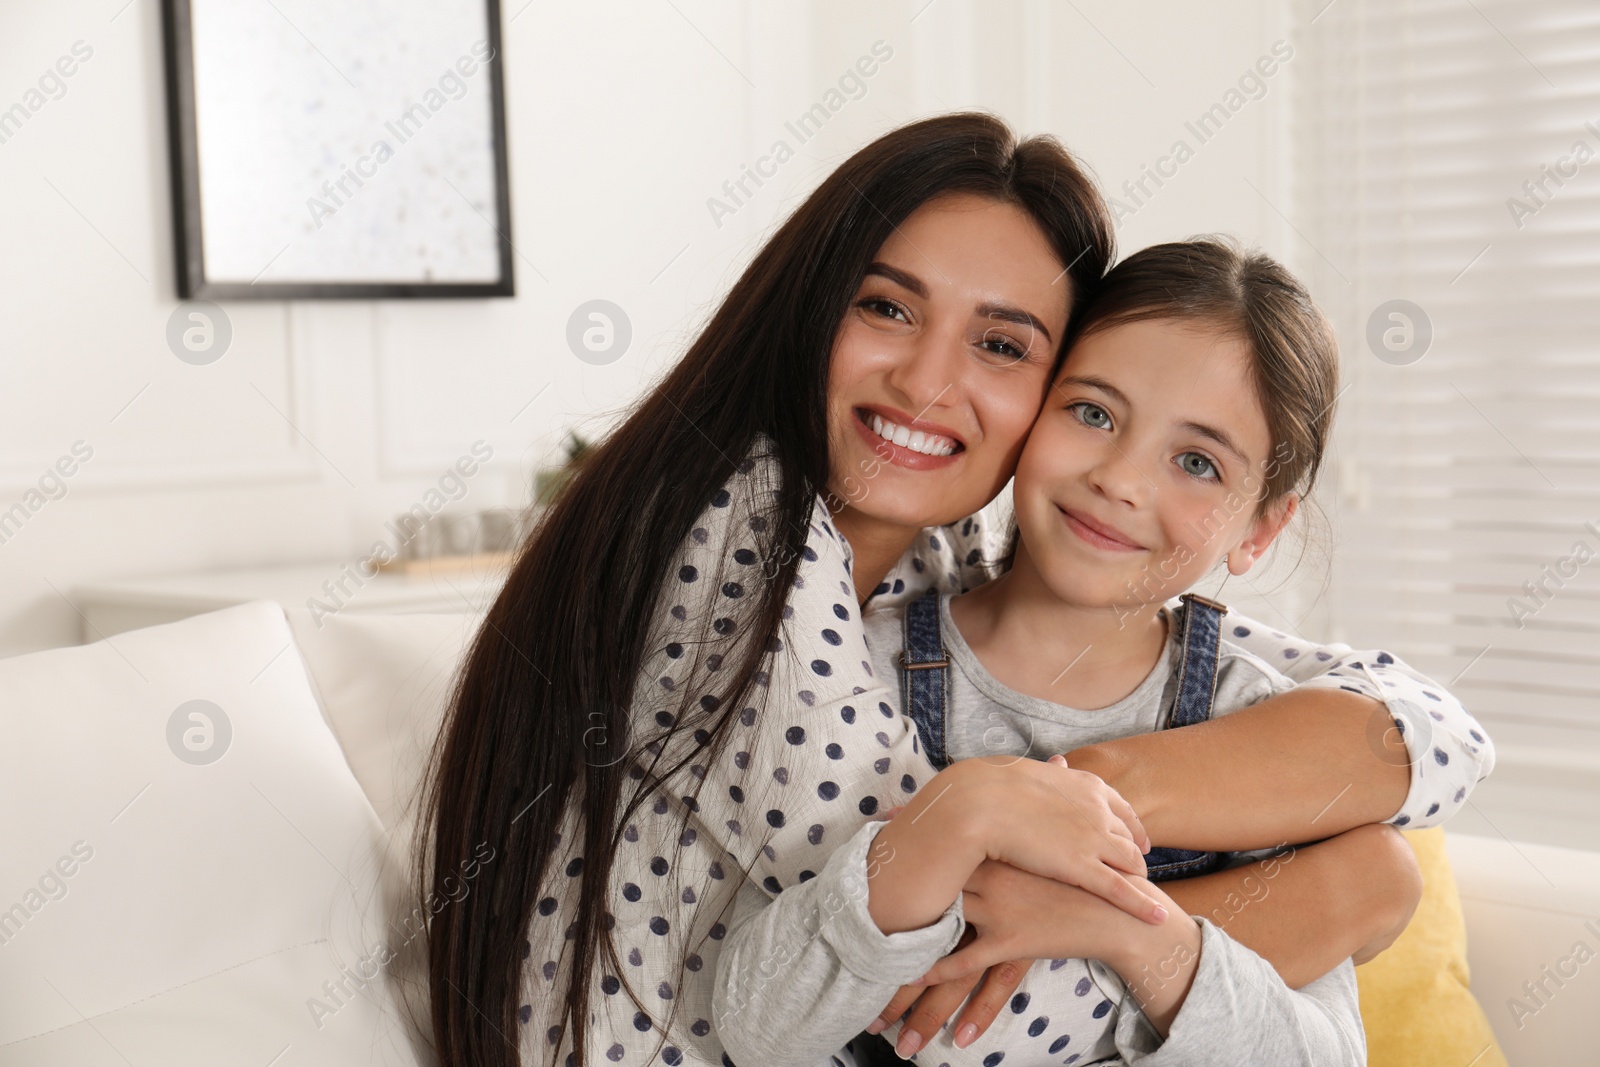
(1261, 534)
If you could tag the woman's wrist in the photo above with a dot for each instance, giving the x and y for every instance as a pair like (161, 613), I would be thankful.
(1110, 762)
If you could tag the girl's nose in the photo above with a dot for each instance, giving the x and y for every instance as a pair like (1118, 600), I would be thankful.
(1119, 478)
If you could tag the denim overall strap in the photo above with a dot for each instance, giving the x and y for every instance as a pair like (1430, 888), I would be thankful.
(925, 666)
(1197, 689)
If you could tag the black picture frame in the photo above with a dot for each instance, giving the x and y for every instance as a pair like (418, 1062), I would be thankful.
(184, 150)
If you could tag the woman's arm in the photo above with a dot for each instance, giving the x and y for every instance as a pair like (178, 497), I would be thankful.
(1447, 750)
(1304, 913)
(1185, 992)
(1302, 766)
(1308, 910)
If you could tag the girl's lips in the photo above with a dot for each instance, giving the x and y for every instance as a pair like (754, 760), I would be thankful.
(899, 455)
(1097, 534)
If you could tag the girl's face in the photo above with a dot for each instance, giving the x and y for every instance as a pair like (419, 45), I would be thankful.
(1146, 466)
(942, 360)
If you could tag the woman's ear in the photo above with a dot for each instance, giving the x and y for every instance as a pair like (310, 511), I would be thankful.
(1262, 533)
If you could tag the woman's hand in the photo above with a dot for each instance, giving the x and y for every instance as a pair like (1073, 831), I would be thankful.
(930, 1006)
(933, 1004)
(995, 981)
(1020, 916)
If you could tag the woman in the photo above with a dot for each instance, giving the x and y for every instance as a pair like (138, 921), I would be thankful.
(631, 696)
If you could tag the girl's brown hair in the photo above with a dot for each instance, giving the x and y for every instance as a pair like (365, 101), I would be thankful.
(1250, 295)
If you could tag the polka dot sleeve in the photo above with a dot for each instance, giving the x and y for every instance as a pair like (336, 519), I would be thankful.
(1449, 750)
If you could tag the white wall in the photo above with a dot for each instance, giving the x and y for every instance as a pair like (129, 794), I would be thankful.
(324, 418)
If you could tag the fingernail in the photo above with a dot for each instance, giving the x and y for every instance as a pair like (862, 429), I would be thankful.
(910, 1041)
(877, 1026)
(1161, 914)
(965, 1035)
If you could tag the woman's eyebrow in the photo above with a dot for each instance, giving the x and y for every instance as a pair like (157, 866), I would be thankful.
(899, 277)
(1003, 312)
(1007, 313)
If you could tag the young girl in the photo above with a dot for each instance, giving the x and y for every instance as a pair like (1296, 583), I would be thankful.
(1190, 415)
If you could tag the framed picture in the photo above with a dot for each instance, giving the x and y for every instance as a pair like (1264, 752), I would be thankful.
(349, 149)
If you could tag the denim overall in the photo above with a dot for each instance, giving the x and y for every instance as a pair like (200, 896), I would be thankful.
(926, 662)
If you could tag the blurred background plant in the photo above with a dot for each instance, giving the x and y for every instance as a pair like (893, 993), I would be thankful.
(547, 483)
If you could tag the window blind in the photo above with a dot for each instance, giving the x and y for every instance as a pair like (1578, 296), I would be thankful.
(1448, 156)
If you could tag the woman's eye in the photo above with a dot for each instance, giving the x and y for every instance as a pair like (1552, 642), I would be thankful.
(1001, 345)
(1092, 415)
(886, 308)
(1198, 465)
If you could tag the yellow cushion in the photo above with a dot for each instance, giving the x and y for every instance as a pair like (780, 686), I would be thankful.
(1415, 1001)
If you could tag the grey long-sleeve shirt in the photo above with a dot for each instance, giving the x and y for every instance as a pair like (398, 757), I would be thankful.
(838, 970)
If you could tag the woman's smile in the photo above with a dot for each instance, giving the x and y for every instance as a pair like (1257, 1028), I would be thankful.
(905, 441)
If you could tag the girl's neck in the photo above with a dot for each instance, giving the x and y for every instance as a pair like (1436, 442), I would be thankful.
(875, 547)
(1036, 643)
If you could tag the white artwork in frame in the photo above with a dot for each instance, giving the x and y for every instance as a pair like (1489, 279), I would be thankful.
(354, 149)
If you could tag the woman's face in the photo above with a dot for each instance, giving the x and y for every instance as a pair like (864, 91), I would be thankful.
(942, 361)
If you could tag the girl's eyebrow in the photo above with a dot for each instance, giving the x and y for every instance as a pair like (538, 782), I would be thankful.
(1094, 382)
(1210, 433)
(1222, 440)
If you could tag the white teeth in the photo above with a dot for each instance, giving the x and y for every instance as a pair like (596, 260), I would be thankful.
(928, 444)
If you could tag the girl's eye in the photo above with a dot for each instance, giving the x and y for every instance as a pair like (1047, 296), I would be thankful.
(1199, 466)
(884, 307)
(1091, 414)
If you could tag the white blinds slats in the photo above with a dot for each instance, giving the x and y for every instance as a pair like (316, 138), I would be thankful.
(1448, 154)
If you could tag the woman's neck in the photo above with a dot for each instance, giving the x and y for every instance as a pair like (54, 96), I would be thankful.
(1032, 641)
(875, 547)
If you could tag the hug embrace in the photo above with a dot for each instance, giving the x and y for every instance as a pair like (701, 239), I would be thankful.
(855, 693)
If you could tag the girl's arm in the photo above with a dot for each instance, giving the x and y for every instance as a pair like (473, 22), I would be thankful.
(1304, 912)
(798, 976)
(1184, 992)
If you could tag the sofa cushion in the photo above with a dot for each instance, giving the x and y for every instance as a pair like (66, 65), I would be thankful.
(186, 852)
(383, 681)
(1534, 914)
(1416, 1002)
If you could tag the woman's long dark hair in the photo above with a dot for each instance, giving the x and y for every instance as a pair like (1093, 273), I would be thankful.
(539, 720)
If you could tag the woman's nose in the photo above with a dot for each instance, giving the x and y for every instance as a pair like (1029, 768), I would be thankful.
(929, 371)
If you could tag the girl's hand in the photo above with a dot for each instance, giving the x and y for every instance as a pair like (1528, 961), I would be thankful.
(1063, 824)
(1022, 916)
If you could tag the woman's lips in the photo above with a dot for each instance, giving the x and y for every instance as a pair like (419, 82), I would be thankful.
(899, 455)
(1096, 533)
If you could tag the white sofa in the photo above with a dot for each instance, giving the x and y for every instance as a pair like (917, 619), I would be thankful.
(161, 905)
